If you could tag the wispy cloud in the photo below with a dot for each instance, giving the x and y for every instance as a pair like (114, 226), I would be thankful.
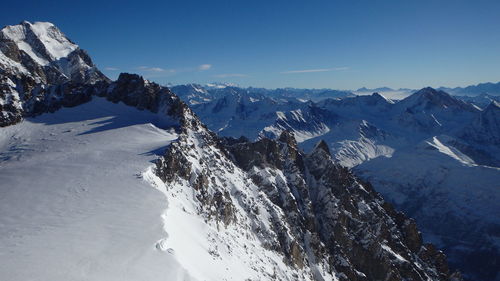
(226, 75)
(315, 70)
(111, 68)
(154, 69)
(203, 67)
(160, 72)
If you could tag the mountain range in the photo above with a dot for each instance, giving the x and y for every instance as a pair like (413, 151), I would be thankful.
(426, 153)
(123, 180)
(480, 94)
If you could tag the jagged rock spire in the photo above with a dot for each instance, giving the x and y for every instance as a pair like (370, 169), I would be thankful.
(322, 145)
(289, 138)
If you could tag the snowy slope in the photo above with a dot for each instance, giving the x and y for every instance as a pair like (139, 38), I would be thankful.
(75, 191)
(482, 100)
(452, 197)
(243, 114)
(285, 215)
(77, 205)
(73, 204)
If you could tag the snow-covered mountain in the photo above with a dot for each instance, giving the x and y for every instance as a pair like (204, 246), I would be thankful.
(128, 184)
(39, 65)
(246, 114)
(42, 51)
(484, 132)
(475, 90)
(481, 101)
(443, 136)
(192, 93)
(395, 94)
(197, 94)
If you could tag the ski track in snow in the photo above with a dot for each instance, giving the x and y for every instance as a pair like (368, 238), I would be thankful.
(73, 202)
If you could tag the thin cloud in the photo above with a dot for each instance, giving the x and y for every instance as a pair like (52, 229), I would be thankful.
(163, 71)
(226, 75)
(152, 69)
(204, 67)
(315, 70)
(111, 68)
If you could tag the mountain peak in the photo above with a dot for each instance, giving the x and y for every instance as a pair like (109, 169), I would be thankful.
(430, 93)
(40, 50)
(426, 91)
(494, 105)
(322, 145)
(380, 98)
(42, 41)
(428, 98)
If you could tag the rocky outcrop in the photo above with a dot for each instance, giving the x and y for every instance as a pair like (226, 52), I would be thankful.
(318, 212)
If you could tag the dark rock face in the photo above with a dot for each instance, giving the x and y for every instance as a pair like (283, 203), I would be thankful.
(26, 98)
(329, 215)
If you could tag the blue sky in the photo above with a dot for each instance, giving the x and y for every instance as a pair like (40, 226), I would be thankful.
(315, 44)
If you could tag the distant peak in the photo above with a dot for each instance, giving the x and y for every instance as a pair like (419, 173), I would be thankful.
(494, 105)
(433, 94)
(427, 90)
(321, 145)
(378, 96)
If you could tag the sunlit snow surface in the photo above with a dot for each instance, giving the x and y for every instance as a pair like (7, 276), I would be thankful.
(79, 201)
(73, 203)
(55, 43)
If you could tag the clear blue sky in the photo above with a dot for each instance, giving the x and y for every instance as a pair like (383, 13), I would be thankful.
(335, 44)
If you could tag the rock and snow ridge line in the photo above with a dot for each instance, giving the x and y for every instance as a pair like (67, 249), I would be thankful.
(444, 154)
(220, 216)
(278, 204)
(251, 187)
(72, 201)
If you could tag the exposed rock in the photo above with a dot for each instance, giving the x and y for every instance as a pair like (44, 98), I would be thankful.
(319, 212)
(309, 210)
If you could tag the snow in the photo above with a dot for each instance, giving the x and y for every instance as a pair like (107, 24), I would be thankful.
(450, 150)
(444, 179)
(34, 55)
(396, 94)
(80, 201)
(55, 43)
(396, 255)
(74, 205)
(208, 248)
(8, 63)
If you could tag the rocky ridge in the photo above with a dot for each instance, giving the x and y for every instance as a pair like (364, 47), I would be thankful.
(324, 222)
(299, 216)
